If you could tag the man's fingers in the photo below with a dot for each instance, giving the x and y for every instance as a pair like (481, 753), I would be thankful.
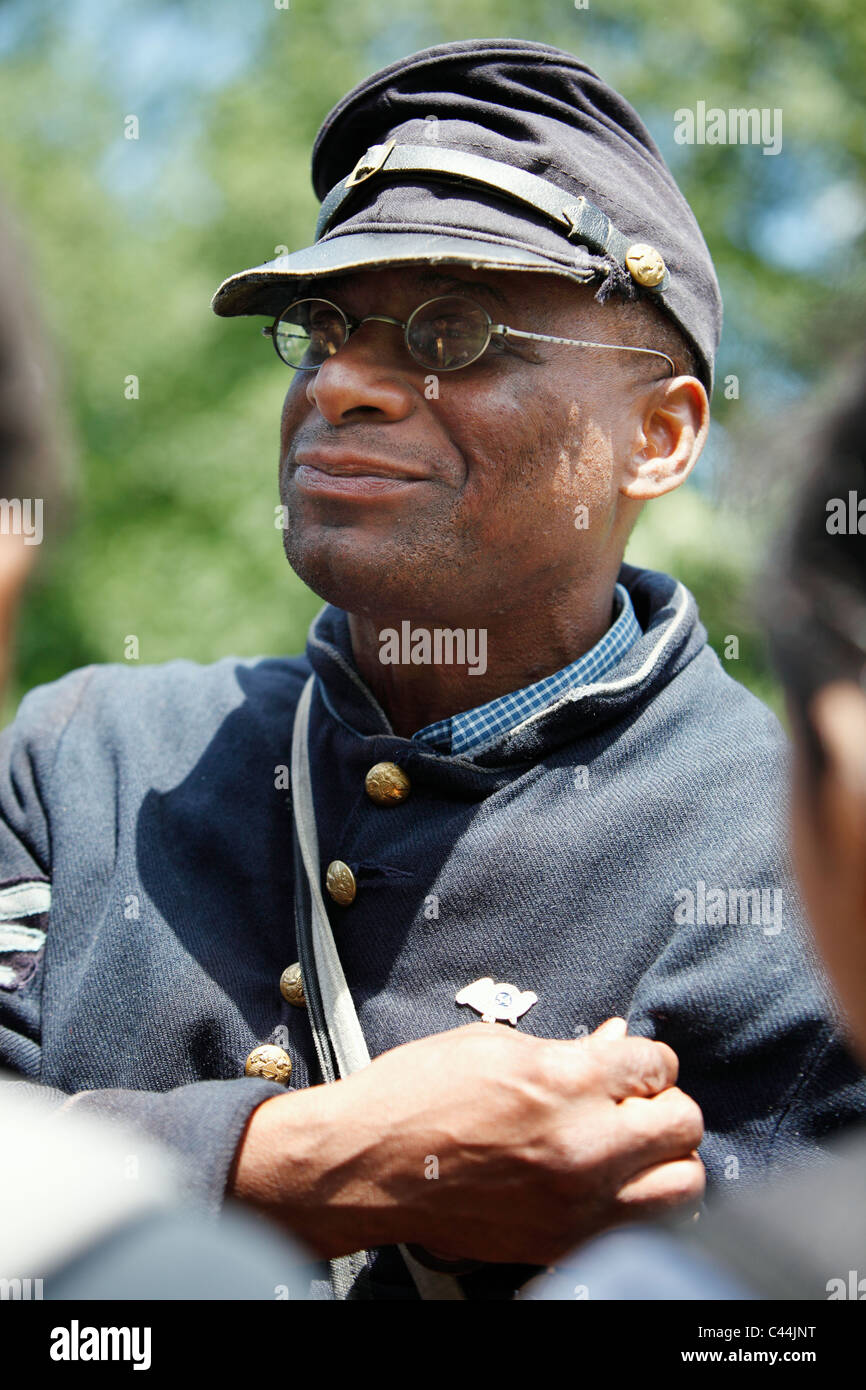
(609, 1065)
(665, 1186)
(661, 1128)
(634, 1066)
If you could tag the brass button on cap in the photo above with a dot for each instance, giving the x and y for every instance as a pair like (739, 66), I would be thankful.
(292, 986)
(269, 1062)
(387, 784)
(644, 264)
(340, 883)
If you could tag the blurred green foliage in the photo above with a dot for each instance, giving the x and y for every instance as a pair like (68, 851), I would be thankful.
(172, 536)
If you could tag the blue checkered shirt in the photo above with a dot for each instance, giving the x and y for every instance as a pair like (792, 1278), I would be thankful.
(470, 729)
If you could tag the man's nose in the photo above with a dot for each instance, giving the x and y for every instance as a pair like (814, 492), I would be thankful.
(369, 374)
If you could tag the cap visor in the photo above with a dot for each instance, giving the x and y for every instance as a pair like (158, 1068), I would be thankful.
(267, 289)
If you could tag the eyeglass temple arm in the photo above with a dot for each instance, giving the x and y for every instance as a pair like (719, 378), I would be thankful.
(504, 331)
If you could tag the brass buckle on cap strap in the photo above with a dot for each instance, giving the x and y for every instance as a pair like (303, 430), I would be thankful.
(369, 163)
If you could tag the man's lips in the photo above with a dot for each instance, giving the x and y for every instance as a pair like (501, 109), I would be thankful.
(343, 464)
(320, 470)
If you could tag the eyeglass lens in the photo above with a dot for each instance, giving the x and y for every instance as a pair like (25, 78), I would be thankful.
(443, 334)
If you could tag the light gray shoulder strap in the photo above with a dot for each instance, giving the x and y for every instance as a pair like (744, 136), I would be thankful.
(347, 1039)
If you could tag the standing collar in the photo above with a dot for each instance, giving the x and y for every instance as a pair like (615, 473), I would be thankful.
(670, 636)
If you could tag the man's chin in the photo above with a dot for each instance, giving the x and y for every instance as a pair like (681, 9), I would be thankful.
(360, 575)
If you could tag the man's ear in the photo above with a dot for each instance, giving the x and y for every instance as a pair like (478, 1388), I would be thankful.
(829, 825)
(838, 716)
(672, 428)
(830, 822)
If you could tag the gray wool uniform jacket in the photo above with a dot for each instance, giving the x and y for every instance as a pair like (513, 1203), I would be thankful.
(618, 853)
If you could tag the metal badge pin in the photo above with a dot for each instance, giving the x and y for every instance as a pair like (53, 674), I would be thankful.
(496, 1002)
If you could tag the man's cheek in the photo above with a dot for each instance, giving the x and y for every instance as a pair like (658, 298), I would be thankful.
(295, 406)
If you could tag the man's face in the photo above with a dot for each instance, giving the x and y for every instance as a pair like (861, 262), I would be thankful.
(451, 495)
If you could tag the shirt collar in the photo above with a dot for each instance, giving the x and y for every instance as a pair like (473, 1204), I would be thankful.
(471, 729)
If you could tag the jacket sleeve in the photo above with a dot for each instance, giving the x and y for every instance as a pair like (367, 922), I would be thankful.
(749, 1014)
(201, 1122)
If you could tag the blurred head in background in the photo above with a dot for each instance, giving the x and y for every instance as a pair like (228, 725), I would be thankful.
(818, 638)
(33, 450)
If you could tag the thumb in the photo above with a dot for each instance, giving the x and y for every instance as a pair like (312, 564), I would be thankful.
(608, 1031)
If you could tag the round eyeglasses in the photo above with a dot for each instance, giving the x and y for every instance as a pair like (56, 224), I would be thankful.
(442, 334)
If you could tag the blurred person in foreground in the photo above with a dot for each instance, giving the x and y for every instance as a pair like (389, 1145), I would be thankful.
(522, 788)
(802, 1238)
(35, 492)
(88, 1208)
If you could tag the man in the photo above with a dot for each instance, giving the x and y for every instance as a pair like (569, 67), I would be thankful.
(521, 783)
(804, 1238)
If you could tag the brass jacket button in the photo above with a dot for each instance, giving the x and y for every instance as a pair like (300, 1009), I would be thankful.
(387, 784)
(270, 1062)
(340, 883)
(292, 986)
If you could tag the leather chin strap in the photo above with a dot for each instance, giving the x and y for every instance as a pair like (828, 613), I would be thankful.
(581, 221)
